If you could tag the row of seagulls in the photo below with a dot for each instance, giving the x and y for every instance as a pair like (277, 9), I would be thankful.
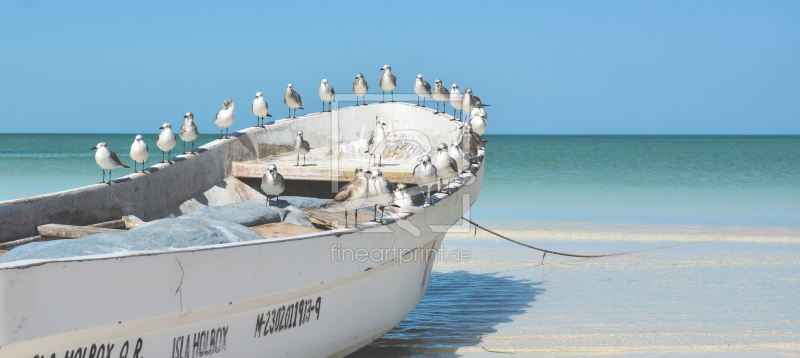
(326, 94)
(224, 117)
(107, 159)
(441, 94)
(301, 147)
(360, 88)
(388, 82)
(166, 141)
(422, 89)
(260, 109)
(292, 100)
(272, 183)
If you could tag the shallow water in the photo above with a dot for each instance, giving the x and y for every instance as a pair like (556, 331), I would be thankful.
(718, 298)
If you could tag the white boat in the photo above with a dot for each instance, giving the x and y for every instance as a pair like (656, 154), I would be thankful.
(290, 296)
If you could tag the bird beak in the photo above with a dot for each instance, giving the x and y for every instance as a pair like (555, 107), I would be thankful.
(160, 127)
(367, 172)
(381, 69)
(95, 148)
(486, 105)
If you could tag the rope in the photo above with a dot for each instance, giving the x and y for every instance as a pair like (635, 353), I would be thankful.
(545, 252)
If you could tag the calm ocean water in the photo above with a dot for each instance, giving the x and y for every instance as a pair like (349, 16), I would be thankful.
(722, 214)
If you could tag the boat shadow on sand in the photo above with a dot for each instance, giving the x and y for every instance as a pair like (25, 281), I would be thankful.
(457, 310)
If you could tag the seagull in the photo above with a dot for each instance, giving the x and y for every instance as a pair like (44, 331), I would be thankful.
(377, 142)
(461, 158)
(166, 141)
(478, 123)
(301, 147)
(440, 94)
(422, 89)
(380, 192)
(360, 88)
(260, 108)
(388, 82)
(326, 94)
(446, 167)
(107, 159)
(189, 131)
(425, 173)
(455, 99)
(225, 117)
(272, 183)
(352, 194)
(467, 102)
(470, 141)
(139, 152)
(407, 201)
(292, 100)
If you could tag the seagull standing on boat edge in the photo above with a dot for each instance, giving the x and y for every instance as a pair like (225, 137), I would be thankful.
(326, 94)
(455, 100)
(446, 167)
(272, 183)
(139, 152)
(107, 159)
(360, 88)
(377, 142)
(224, 117)
(301, 147)
(440, 94)
(380, 192)
(467, 102)
(352, 194)
(260, 109)
(470, 142)
(166, 141)
(461, 158)
(292, 99)
(422, 89)
(388, 82)
(407, 200)
(188, 131)
(425, 174)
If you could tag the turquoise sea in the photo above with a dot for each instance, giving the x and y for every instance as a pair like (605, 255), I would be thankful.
(690, 180)
(718, 218)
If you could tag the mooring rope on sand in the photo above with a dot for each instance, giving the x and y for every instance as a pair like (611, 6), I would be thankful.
(545, 252)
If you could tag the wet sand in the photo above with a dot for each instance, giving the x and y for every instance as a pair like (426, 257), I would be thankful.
(696, 291)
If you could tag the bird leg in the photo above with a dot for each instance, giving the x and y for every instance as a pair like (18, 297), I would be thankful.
(298, 161)
(290, 113)
(192, 147)
(375, 213)
(169, 156)
(134, 166)
(384, 97)
(220, 133)
(323, 106)
(267, 200)
(423, 101)
(226, 132)
(354, 225)
(380, 159)
(383, 209)
(445, 107)
(109, 176)
(304, 160)
(437, 107)
(392, 95)
(345, 217)
(417, 100)
(104, 176)
(184, 147)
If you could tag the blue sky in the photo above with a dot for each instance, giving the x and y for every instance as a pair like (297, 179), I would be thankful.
(556, 67)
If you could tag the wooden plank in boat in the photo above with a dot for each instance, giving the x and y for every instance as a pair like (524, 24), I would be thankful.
(282, 229)
(2, 252)
(335, 219)
(59, 231)
(322, 171)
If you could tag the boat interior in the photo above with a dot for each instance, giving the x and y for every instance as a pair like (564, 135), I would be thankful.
(231, 171)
